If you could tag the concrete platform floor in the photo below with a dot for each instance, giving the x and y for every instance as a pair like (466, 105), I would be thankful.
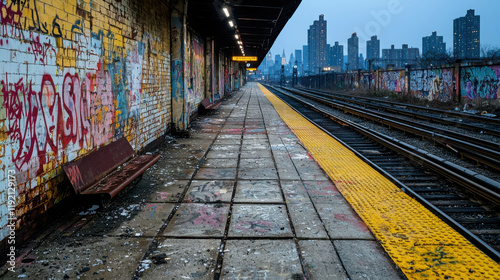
(240, 199)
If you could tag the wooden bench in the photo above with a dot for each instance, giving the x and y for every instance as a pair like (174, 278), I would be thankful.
(208, 105)
(108, 170)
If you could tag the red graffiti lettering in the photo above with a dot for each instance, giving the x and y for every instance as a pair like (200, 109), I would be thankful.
(41, 50)
(76, 117)
(40, 123)
(10, 15)
(20, 101)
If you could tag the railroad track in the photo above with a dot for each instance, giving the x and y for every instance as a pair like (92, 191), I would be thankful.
(477, 123)
(481, 151)
(465, 200)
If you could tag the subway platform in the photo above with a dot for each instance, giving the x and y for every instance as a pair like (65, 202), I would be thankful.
(240, 199)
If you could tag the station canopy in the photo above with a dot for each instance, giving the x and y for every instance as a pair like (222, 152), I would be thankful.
(252, 24)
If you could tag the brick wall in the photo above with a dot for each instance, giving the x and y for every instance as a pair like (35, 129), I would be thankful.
(194, 71)
(76, 75)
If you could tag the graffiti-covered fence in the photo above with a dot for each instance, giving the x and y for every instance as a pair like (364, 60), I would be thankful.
(460, 83)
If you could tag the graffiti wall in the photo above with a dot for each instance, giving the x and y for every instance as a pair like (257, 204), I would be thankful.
(430, 84)
(433, 84)
(480, 82)
(392, 80)
(460, 83)
(71, 80)
(195, 71)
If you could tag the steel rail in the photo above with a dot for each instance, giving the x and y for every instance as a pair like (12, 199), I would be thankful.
(461, 145)
(483, 119)
(459, 124)
(484, 187)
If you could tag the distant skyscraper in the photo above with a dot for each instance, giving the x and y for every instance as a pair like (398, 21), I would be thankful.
(373, 51)
(353, 52)
(305, 58)
(466, 36)
(391, 57)
(409, 56)
(298, 58)
(277, 60)
(398, 58)
(433, 45)
(316, 41)
(337, 55)
(328, 55)
(270, 61)
(283, 58)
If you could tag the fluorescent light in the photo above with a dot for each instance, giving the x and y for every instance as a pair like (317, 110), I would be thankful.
(239, 42)
(231, 23)
(226, 11)
(236, 36)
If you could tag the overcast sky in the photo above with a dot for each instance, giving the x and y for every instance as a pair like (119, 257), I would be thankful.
(395, 22)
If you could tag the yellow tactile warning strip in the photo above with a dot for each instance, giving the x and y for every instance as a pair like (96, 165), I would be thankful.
(422, 245)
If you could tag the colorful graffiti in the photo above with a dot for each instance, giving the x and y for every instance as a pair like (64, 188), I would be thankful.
(236, 80)
(25, 15)
(66, 89)
(480, 82)
(195, 71)
(178, 49)
(435, 84)
(392, 80)
(43, 121)
(227, 82)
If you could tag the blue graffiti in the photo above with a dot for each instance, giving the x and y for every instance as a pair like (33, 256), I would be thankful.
(480, 82)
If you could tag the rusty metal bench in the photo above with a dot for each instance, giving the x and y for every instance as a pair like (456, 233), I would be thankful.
(108, 170)
(208, 105)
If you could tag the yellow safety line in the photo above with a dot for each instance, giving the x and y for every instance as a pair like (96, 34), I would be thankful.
(423, 246)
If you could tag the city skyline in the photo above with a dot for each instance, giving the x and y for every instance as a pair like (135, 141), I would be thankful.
(387, 18)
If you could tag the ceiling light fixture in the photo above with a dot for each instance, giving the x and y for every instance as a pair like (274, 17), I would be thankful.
(226, 11)
(236, 36)
(231, 23)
